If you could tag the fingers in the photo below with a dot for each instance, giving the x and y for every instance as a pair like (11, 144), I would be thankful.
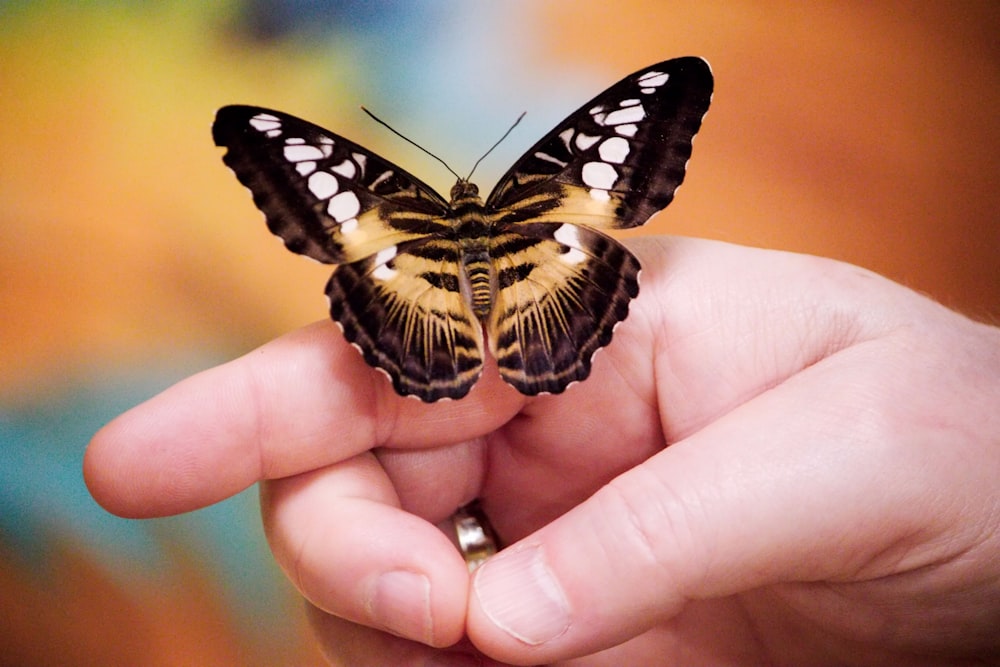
(300, 402)
(346, 644)
(342, 539)
(778, 490)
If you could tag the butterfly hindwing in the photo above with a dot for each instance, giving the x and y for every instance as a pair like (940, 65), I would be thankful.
(616, 160)
(325, 196)
(561, 290)
(404, 308)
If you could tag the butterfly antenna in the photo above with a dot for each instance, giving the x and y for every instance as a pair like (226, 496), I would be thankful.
(408, 140)
(499, 141)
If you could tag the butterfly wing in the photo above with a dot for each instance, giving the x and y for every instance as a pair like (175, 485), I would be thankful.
(616, 160)
(325, 196)
(396, 289)
(563, 285)
(404, 308)
(561, 289)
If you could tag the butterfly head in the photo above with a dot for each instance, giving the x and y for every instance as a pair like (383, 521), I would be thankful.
(464, 190)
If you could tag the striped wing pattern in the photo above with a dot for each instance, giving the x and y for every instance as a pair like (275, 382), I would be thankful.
(566, 289)
(405, 310)
(418, 277)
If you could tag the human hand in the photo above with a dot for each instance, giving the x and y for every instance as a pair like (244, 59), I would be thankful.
(829, 493)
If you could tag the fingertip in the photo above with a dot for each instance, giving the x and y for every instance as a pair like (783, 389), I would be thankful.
(345, 643)
(108, 474)
(98, 472)
(362, 558)
(579, 585)
(518, 593)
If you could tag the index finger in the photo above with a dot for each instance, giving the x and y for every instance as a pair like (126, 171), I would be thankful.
(297, 403)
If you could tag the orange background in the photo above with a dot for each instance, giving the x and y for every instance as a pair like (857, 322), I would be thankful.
(129, 256)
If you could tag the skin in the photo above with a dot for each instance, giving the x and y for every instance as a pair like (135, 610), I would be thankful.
(780, 459)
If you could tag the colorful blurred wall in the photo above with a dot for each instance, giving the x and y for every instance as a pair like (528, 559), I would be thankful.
(130, 257)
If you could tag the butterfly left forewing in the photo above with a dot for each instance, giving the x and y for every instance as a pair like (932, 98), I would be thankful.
(561, 290)
(616, 160)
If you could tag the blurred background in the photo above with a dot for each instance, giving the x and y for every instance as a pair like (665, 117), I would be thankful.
(130, 257)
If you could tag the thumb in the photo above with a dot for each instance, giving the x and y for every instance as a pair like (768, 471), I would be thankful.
(755, 498)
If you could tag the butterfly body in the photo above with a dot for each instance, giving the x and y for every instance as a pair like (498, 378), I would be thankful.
(418, 279)
(471, 234)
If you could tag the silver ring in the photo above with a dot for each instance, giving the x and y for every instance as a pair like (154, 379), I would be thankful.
(476, 538)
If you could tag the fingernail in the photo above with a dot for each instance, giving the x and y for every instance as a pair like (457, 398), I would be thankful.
(401, 603)
(519, 593)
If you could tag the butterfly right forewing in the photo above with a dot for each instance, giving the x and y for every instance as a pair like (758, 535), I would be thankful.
(325, 196)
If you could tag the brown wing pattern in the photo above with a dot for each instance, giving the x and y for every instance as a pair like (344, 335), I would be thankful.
(561, 290)
(627, 148)
(326, 197)
(404, 309)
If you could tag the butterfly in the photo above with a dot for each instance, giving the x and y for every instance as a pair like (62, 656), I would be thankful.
(418, 277)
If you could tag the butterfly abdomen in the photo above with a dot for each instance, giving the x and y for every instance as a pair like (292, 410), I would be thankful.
(472, 232)
(477, 268)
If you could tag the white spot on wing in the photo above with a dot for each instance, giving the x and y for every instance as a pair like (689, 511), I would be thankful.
(381, 177)
(361, 159)
(613, 149)
(573, 256)
(343, 206)
(585, 141)
(383, 272)
(566, 135)
(305, 168)
(265, 122)
(345, 169)
(300, 153)
(323, 185)
(626, 115)
(627, 130)
(569, 236)
(349, 226)
(653, 79)
(599, 175)
(548, 158)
